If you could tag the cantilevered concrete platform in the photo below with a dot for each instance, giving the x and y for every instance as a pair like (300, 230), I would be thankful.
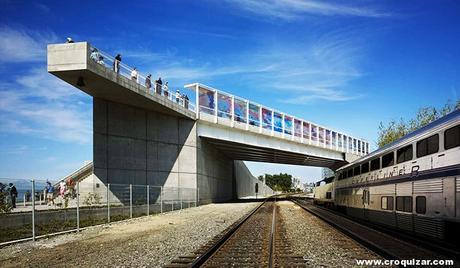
(141, 137)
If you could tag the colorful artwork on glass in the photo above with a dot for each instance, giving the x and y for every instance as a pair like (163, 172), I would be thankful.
(224, 105)
(240, 110)
(297, 128)
(278, 122)
(306, 130)
(254, 114)
(266, 118)
(321, 134)
(206, 100)
(314, 133)
(328, 137)
(288, 125)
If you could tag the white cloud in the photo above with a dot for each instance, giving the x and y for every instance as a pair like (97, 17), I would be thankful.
(301, 73)
(23, 45)
(294, 9)
(27, 108)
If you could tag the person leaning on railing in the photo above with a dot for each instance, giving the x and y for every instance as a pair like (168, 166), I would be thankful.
(158, 85)
(166, 89)
(134, 74)
(148, 82)
(116, 63)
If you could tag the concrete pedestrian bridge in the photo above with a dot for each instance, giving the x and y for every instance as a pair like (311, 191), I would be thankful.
(146, 137)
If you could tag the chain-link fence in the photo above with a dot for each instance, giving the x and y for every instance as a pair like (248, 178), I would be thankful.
(32, 209)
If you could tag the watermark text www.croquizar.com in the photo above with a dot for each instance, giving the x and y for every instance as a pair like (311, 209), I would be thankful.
(405, 263)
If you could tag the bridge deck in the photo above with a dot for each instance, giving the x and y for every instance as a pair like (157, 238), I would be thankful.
(281, 138)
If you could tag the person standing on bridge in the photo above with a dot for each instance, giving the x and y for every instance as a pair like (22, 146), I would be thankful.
(158, 85)
(178, 96)
(185, 98)
(116, 63)
(166, 89)
(148, 82)
(134, 75)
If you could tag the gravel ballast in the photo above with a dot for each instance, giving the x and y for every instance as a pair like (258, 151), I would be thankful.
(320, 244)
(143, 242)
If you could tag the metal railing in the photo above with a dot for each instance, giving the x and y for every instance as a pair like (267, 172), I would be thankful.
(81, 205)
(224, 108)
(107, 61)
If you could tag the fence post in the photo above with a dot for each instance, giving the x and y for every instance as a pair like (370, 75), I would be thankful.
(161, 199)
(78, 206)
(33, 210)
(130, 201)
(108, 202)
(180, 197)
(148, 200)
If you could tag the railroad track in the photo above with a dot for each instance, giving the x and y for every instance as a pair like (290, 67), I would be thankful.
(383, 244)
(258, 240)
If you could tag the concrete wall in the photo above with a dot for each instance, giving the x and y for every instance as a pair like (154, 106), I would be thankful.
(137, 146)
(245, 183)
(215, 174)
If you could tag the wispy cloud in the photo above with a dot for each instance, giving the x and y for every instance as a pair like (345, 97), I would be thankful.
(301, 73)
(35, 104)
(294, 9)
(20, 45)
(193, 33)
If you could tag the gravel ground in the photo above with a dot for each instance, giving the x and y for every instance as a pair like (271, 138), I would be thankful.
(319, 243)
(143, 242)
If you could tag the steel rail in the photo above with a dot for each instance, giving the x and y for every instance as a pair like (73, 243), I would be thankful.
(210, 251)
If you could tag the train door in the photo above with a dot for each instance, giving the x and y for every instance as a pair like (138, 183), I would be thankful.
(366, 200)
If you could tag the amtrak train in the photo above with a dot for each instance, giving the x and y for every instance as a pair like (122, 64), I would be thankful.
(412, 184)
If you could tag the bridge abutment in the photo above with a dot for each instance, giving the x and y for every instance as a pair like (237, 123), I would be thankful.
(138, 146)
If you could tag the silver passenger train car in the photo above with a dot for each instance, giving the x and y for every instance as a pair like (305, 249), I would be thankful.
(412, 184)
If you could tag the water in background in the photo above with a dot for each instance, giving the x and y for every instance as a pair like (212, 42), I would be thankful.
(25, 185)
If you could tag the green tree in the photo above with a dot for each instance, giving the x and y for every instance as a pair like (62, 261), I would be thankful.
(5, 206)
(394, 130)
(279, 182)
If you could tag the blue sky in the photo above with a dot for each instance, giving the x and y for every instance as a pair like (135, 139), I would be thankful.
(344, 64)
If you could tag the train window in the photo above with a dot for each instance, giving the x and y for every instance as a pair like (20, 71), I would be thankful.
(340, 176)
(428, 146)
(350, 173)
(404, 203)
(384, 202)
(404, 154)
(328, 195)
(365, 168)
(452, 137)
(388, 160)
(375, 164)
(357, 170)
(387, 202)
(420, 204)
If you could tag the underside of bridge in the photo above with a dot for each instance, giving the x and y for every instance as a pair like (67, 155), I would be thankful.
(245, 152)
(144, 138)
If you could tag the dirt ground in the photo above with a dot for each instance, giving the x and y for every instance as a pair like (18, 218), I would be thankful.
(144, 242)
